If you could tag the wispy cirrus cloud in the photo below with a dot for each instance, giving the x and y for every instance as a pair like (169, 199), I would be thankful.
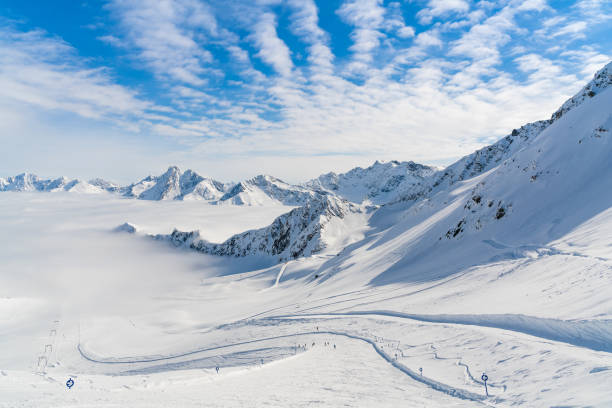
(272, 50)
(367, 17)
(438, 8)
(44, 71)
(305, 23)
(169, 36)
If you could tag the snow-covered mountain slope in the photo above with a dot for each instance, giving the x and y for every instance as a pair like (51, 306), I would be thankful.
(533, 169)
(323, 223)
(31, 182)
(265, 189)
(541, 190)
(380, 183)
(175, 185)
(491, 156)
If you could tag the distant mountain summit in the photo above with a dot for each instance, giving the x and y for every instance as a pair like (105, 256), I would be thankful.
(30, 182)
(175, 185)
(265, 189)
(378, 184)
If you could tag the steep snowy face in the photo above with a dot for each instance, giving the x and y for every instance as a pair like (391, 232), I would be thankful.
(23, 182)
(301, 232)
(166, 187)
(380, 183)
(517, 207)
(484, 159)
(491, 156)
(263, 189)
(175, 185)
(562, 177)
(207, 189)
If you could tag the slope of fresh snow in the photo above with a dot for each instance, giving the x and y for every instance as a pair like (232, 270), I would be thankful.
(534, 196)
(378, 184)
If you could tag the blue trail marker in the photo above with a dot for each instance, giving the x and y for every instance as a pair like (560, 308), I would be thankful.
(69, 383)
(484, 378)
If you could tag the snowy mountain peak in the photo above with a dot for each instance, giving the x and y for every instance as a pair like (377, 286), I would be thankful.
(379, 183)
(176, 185)
(264, 189)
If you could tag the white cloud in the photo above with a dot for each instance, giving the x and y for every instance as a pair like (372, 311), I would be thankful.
(436, 8)
(305, 23)
(575, 30)
(111, 40)
(367, 16)
(428, 39)
(483, 40)
(39, 70)
(405, 32)
(527, 5)
(168, 35)
(272, 50)
(597, 10)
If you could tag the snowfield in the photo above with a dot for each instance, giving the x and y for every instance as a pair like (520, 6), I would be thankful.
(338, 292)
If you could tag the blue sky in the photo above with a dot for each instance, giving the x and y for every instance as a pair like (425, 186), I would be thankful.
(124, 88)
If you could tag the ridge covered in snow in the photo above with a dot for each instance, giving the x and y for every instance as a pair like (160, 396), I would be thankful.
(265, 189)
(31, 182)
(491, 156)
(378, 184)
(303, 231)
(175, 185)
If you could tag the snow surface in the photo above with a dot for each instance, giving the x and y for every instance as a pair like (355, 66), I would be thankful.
(501, 263)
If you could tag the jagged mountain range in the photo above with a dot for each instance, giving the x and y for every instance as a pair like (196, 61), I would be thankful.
(468, 197)
(31, 182)
(376, 184)
(525, 177)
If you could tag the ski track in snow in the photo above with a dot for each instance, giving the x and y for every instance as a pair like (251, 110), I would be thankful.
(594, 334)
(436, 385)
(280, 274)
